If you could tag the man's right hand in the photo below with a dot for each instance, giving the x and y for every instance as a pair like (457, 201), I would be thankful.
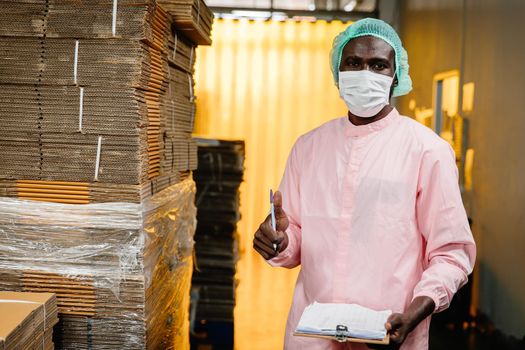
(265, 237)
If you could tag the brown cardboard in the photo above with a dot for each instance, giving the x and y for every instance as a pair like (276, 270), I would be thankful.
(28, 319)
(136, 86)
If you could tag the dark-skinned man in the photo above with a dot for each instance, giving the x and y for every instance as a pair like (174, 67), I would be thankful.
(369, 204)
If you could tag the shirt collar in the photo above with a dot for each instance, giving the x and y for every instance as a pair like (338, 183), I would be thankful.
(352, 130)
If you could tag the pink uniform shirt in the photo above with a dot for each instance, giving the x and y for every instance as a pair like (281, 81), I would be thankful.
(376, 218)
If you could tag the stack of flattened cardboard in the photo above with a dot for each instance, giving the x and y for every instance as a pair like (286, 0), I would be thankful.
(182, 52)
(97, 92)
(179, 149)
(92, 98)
(84, 192)
(27, 320)
(192, 17)
(121, 271)
(96, 154)
(220, 173)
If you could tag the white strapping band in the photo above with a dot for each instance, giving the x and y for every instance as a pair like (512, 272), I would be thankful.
(114, 18)
(192, 97)
(97, 162)
(191, 56)
(172, 115)
(175, 46)
(75, 64)
(198, 11)
(193, 108)
(81, 109)
(169, 81)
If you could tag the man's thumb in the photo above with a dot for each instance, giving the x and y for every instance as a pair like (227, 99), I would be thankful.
(278, 204)
(393, 322)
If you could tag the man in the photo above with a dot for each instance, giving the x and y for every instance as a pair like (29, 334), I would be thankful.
(369, 204)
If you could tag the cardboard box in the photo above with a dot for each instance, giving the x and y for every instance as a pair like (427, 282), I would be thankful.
(28, 320)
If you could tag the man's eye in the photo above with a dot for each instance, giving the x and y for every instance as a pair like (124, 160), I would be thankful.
(379, 66)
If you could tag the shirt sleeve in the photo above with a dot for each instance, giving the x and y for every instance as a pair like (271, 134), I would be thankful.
(450, 250)
(290, 190)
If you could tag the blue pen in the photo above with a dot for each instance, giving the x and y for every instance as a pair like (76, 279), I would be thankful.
(274, 225)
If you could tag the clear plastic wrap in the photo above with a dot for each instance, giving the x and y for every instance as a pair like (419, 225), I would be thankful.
(114, 266)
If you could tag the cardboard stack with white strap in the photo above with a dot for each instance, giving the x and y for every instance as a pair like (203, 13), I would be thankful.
(97, 109)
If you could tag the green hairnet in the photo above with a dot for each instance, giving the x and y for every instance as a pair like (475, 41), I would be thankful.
(381, 30)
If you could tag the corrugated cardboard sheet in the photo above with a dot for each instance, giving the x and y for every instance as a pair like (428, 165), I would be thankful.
(27, 320)
(94, 93)
(192, 17)
(96, 114)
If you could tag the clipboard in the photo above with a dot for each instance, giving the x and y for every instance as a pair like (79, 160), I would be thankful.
(341, 337)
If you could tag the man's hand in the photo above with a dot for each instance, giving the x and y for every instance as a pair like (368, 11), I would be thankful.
(265, 237)
(399, 326)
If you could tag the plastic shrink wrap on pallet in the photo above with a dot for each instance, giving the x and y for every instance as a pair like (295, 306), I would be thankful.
(121, 271)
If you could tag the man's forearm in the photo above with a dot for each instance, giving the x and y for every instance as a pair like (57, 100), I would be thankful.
(420, 308)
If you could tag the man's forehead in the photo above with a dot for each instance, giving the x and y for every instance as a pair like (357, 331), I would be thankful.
(368, 46)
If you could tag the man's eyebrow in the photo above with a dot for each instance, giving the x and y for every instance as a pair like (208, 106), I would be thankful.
(379, 60)
(353, 57)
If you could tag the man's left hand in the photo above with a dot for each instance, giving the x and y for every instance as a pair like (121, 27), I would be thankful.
(398, 326)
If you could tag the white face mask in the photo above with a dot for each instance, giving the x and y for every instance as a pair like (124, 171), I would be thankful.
(365, 93)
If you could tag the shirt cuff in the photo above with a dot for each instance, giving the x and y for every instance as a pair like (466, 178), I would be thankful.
(440, 299)
(281, 257)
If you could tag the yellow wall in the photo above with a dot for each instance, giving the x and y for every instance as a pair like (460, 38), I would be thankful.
(267, 83)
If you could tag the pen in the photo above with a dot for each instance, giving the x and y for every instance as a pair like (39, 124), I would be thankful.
(272, 211)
